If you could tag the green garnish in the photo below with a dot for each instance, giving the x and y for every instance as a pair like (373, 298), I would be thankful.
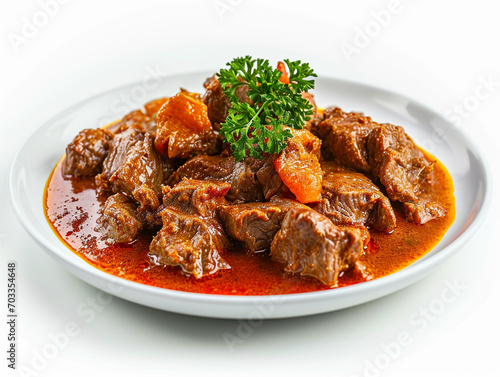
(257, 130)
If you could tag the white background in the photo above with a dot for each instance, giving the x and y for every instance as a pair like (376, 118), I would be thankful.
(436, 52)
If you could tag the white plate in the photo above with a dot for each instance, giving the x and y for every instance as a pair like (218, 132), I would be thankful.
(37, 157)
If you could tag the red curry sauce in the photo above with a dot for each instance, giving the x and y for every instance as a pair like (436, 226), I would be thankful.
(72, 207)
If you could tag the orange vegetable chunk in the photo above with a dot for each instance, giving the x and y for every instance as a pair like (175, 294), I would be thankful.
(299, 168)
(152, 107)
(285, 79)
(182, 122)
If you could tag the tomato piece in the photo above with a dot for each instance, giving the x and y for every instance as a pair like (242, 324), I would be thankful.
(182, 121)
(299, 168)
(284, 74)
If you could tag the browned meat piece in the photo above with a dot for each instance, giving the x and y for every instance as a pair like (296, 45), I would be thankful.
(344, 138)
(119, 221)
(251, 180)
(204, 167)
(365, 234)
(184, 129)
(244, 184)
(334, 116)
(267, 176)
(397, 162)
(316, 117)
(244, 187)
(148, 210)
(169, 166)
(350, 198)
(217, 103)
(188, 242)
(136, 120)
(86, 153)
(349, 145)
(141, 168)
(195, 197)
(363, 231)
(242, 94)
(192, 236)
(363, 271)
(255, 224)
(422, 212)
(382, 151)
(119, 147)
(308, 243)
(315, 120)
(132, 166)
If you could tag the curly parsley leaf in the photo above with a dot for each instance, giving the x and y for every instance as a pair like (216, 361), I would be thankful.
(258, 129)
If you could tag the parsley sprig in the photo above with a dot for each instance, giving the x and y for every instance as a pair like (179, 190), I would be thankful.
(258, 129)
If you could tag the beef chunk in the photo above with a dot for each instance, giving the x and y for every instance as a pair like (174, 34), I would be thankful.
(191, 236)
(381, 151)
(422, 211)
(397, 162)
(169, 166)
(119, 221)
(204, 167)
(136, 120)
(244, 184)
(188, 242)
(132, 166)
(86, 153)
(316, 117)
(267, 176)
(184, 129)
(242, 94)
(350, 198)
(256, 224)
(334, 116)
(217, 103)
(308, 243)
(364, 232)
(299, 168)
(344, 138)
(139, 120)
(195, 197)
(119, 148)
(149, 207)
(251, 180)
(362, 272)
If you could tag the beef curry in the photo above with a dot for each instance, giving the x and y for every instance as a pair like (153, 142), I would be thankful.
(159, 198)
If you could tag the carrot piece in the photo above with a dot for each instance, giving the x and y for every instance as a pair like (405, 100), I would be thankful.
(181, 120)
(299, 168)
(153, 106)
(284, 74)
